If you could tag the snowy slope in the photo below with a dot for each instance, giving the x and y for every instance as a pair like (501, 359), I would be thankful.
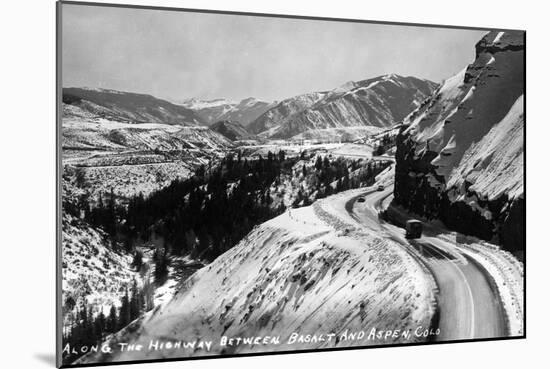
(95, 275)
(198, 104)
(494, 165)
(130, 157)
(233, 131)
(244, 111)
(305, 271)
(112, 120)
(126, 107)
(273, 117)
(378, 102)
(91, 271)
(111, 135)
(470, 103)
(463, 147)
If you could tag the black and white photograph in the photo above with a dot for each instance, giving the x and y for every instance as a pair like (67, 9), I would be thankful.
(234, 184)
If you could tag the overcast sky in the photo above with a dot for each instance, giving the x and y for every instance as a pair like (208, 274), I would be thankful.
(179, 55)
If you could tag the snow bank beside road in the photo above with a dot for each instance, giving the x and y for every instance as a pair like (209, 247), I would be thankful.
(507, 274)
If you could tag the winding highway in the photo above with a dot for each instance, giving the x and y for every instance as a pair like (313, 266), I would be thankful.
(469, 307)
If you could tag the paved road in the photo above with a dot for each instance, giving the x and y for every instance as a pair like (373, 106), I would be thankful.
(468, 306)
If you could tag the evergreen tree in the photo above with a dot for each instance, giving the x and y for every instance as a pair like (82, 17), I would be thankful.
(328, 190)
(128, 244)
(339, 186)
(147, 294)
(318, 163)
(124, 315)
(112, 323)
(161, 266)
(80, 177)
(135, 301)
(137, 263)
(99, 325)
(69, 304)
(111, 218)
(345, 183)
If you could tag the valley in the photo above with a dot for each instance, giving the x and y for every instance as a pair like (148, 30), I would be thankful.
(202, 219)
(130, 189)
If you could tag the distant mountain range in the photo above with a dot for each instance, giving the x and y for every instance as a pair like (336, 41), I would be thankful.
(244, 111)
(274, 117)
(357, 107)
(378, 102)
(116, 120)
(128, 107)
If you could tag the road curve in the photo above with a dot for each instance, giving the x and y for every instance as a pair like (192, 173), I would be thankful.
(468, 305)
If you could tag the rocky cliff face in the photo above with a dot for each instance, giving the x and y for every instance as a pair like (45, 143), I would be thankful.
(376, 102)
(460, 155)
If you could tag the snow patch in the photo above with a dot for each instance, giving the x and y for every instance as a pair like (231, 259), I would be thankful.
(498, 37)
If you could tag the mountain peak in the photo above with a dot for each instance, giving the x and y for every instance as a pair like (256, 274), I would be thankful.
(353, 104)
(391, 76)
(498, 41)
(348, 86)
(251, 101)
(211, 111)
(196, 104)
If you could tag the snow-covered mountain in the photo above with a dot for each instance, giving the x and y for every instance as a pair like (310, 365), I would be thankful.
(460, 157)
(231, 130)
(132, 148)
(244, 111)
(99, 119)
(306, 271)
(198, 104)
(127, 107)
(377, 102)
(273, 117)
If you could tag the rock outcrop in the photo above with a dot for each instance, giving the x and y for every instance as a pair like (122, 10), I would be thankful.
(460, 155)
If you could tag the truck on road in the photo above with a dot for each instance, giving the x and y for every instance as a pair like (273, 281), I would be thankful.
(413, 229)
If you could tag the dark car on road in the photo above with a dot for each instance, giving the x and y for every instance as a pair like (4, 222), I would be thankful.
(413, 229)
(380, 188)
(361, 199)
